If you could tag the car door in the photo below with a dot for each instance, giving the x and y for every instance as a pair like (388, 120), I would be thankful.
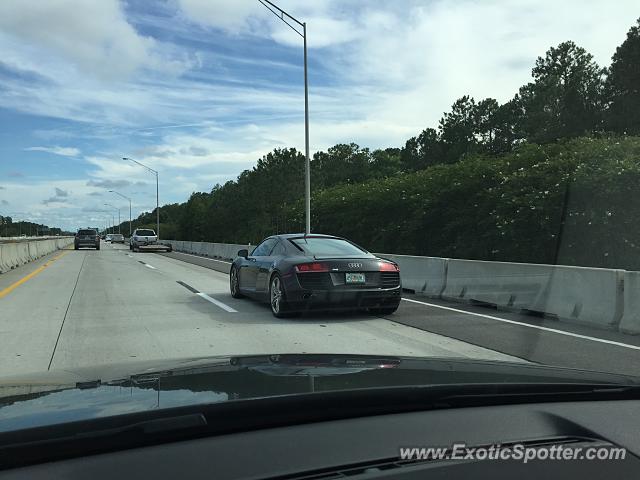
(250, 267)
(265, 264)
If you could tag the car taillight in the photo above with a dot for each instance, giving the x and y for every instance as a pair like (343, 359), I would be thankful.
(312, 267)
(389, 267)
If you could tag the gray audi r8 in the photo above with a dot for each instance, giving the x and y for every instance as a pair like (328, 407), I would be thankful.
(297, 272)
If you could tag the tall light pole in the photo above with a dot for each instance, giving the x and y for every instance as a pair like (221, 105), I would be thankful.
(281, 14)
(116, 208)
(127, 198)
(155, 172)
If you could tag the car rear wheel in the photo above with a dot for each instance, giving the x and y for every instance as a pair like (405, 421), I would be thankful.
(277, 298)
(98, 247)
(384, 310)
(234, 283)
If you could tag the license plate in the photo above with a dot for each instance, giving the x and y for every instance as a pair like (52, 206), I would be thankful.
(355, 278)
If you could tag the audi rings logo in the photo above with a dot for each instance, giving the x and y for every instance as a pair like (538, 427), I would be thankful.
(354, 265)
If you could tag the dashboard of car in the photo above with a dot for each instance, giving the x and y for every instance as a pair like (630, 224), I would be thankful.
(369, 446)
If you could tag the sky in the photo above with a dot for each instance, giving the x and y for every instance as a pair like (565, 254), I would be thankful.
(199, 90)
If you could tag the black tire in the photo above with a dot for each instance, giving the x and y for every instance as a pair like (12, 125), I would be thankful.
(75, 247)
(384, 310)
(130, 247)
(98, 247)
(234, 283)
(281, 309)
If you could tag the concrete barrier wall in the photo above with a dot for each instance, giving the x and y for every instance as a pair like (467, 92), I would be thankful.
(221, 251)
(630, 322)
(424, 275)
(21, 251)
(515, 285)
(592, 296)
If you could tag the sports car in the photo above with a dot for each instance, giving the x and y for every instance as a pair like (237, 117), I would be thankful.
(297, 272)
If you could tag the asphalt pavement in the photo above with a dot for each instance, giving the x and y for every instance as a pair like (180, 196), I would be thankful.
(88, 307)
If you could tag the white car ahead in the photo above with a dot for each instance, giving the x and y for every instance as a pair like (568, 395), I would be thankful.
(142, 237)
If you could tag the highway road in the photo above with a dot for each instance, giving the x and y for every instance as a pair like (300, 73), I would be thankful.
(87, 307)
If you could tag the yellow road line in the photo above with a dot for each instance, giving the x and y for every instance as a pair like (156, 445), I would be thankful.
(26, 278)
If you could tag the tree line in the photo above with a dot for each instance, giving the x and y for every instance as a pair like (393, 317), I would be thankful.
(9, 228)
(552, 175)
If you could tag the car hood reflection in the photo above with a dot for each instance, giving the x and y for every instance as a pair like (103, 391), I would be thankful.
(70, 395)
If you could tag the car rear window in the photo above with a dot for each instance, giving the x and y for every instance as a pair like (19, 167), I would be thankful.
(320, 246)
(117, 236)
(146, 233)
(87, 232)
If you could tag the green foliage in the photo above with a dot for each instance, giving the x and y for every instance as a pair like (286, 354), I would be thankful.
(423, 151)
(535, 179)
(564, 100)
(623, 86)
(9, 228)
(508, 207)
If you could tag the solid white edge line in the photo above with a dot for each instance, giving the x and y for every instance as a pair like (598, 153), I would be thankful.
(204, 258)
(537, 327)
(217, 302)
(149, 266)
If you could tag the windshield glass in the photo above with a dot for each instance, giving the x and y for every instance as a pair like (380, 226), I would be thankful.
(319, 246)
(424, 181)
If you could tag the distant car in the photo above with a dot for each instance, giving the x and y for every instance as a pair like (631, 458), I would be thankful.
(297, 272)
(142, 237)
(117, 238)
(108, 237)
(86, 238)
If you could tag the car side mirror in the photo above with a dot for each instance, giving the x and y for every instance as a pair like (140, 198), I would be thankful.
(244, 253)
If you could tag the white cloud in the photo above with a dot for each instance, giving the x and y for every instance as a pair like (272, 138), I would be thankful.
(413, 59)
(379, 73)
(232, 16)
(78, 208)
(56, 150)
(92, 35)
(109, 184)
(250, 17)
(61, 196)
